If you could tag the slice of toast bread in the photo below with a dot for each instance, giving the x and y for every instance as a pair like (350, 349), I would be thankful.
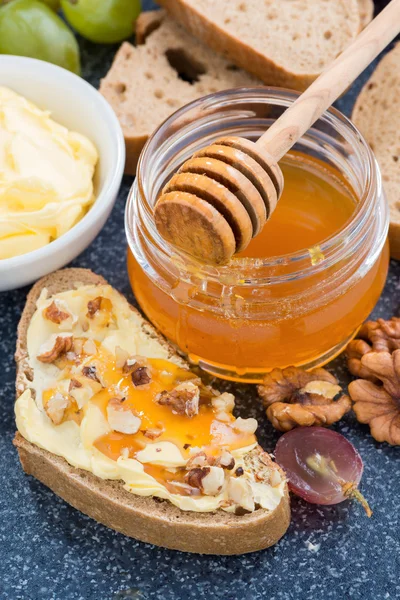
(285, 43)
(366, 8)
(166, 70)
(377, 115)
(145, 518)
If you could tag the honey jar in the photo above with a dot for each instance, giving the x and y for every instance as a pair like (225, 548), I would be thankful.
(302, 288)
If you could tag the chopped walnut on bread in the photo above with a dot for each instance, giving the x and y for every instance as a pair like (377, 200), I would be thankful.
(112, 420)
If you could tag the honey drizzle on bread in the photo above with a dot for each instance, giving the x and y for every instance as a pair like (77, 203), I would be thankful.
(108, 502)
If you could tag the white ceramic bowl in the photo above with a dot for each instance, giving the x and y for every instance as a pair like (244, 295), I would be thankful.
(76, 104)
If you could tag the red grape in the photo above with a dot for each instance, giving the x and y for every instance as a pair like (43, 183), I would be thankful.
(321, 465)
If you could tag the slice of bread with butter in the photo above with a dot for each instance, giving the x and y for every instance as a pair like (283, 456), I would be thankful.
(114, 422)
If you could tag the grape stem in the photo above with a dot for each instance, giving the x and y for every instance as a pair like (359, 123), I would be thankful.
(351, 491)
(326, 468)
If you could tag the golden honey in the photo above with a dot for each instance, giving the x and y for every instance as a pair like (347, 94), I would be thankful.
(315, 205)
(202, 430)
(302, 287)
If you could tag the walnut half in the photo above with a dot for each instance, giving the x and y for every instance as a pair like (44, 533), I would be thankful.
(375, 404)
(374, 336)
(295, 398)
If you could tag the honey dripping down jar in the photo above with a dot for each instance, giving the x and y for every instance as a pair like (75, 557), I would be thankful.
(302, 288)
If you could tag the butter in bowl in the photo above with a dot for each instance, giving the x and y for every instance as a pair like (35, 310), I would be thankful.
(61, 162)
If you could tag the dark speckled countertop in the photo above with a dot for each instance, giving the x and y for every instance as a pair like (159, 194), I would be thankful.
(48, 550)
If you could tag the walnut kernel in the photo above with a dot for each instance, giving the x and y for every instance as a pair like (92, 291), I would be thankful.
(60, 345)
(377, 398)
(121, 417)
(294, 397)
(183, 399)
(56, 407)
(373, 336)
(55, 314)
(140, 375)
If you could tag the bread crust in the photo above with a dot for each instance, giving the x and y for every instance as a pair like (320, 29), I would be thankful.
(144, 75)
(394, 240)
(148, 519)
(366, 8)
(147, 22)
(376, 115)
(144, 518)
(243, 55)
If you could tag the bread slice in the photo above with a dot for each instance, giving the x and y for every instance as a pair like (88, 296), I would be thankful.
(166, 70)
(285, 43)
(145, 518)
(366, 9)
(377, 115)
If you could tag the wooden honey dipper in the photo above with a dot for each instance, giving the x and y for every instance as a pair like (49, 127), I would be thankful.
(222, 197)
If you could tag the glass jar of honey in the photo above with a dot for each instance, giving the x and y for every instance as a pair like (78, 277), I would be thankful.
(301, 289)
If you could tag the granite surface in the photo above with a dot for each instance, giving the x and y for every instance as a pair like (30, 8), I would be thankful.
(48, 550)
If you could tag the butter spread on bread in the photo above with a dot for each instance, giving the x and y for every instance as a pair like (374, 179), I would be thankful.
(110, 399)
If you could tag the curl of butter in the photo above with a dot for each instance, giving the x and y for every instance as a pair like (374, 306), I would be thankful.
(46, 176)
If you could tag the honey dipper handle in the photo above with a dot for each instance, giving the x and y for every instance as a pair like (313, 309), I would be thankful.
(332, 82)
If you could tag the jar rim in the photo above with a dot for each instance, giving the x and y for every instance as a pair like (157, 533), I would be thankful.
(330, 247)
